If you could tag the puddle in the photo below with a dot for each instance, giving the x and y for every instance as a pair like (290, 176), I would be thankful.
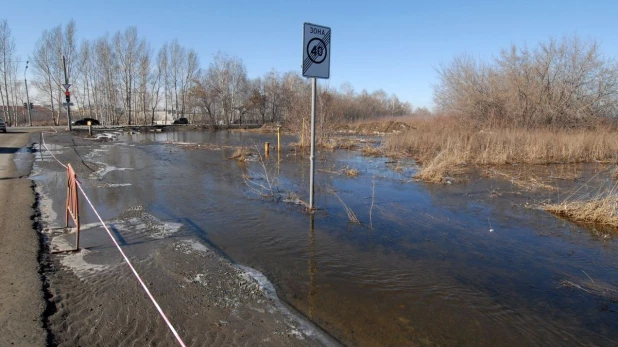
(471, 264)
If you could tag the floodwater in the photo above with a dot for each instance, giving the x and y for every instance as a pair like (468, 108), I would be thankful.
(464, 264)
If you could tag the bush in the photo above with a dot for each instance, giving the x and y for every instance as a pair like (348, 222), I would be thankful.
(563, 83)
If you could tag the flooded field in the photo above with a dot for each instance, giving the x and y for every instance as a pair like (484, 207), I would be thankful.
(475, 263)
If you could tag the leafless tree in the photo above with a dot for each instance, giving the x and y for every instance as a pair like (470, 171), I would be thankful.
(154, 82)
(230, 78)
(562, 83)
(177, 66)
(128, 50)
(208, 95)
(42, 68)
(257, 99)
(7, 62)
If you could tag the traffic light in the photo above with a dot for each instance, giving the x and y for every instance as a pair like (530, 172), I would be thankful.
(25, 105)
(68, 94)
(31, 106)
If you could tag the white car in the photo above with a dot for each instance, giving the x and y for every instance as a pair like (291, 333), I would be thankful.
(2, 125)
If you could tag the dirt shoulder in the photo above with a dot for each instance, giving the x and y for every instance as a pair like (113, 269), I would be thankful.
(21, 296)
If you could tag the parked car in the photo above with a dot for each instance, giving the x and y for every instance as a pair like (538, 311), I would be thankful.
(84, 121)
(181, 121)
(2, 125)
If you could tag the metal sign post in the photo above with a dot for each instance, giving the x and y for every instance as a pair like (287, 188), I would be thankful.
(316, 64)
(312, 153)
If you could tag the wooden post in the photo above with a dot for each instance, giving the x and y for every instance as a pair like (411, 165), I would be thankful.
(266, 148)
(278, 139)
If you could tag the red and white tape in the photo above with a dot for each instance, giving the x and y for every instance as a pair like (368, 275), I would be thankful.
(139, 279)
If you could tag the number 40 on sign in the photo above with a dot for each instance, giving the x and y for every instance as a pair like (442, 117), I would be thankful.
(316, 51)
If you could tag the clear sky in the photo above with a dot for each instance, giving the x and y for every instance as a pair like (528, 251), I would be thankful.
(391, 45)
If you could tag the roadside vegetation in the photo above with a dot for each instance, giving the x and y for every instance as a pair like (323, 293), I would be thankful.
(556, 103)
(445, 148)
(553, 104)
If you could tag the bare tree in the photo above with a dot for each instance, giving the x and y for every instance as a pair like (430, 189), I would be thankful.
(559, 84)
(7, 57)
(257, 99)
(143, 80)
(191, 71)
(42, 69)
(155, 82)
(163, 58)
(230, 78)
(275, 95)
(177, 66)
(48, 66)
(85, 71)
(128, 49)
(206, 92)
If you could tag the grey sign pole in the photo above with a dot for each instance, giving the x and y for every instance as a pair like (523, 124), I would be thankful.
(312, 155)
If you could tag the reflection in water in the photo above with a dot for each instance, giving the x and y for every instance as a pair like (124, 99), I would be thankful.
(313, 266)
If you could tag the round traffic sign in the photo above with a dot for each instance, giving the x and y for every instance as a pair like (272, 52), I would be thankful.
(316, 50)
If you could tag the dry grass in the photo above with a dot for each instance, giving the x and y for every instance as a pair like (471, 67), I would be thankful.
(527, 181)
(409, 120)
(335, 143)
(241, 154)
(443, 144)
(350, 172)
(371, 151)
(615, 173)
(600, 209)
(351, 215)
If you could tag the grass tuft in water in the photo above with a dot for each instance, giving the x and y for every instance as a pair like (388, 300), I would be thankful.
(599, 209)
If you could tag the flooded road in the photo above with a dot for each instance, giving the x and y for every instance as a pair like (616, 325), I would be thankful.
(464, 264)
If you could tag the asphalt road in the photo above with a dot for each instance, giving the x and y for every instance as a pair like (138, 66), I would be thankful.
(21, 289)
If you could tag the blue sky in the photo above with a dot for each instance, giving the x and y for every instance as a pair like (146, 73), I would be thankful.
(391, 45)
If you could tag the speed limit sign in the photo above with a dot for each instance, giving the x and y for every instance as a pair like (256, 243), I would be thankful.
(316, 51)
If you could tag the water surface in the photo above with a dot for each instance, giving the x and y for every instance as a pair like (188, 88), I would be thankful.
(465, 264)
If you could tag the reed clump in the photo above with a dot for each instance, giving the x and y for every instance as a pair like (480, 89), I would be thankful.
(443, 146)
(350, 172)
(599, 209)
(371, 151)
(241, 154)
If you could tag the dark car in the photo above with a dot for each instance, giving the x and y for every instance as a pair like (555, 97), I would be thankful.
(181, 121)
(85, 121)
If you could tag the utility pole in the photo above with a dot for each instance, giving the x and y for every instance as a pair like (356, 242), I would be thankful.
(68, 94)
(27, 96)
